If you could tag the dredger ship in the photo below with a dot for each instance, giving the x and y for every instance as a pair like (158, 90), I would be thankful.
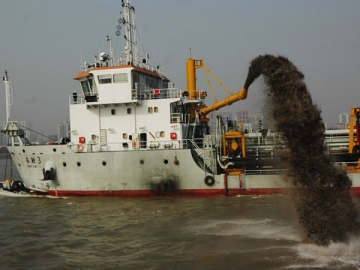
(133, 134)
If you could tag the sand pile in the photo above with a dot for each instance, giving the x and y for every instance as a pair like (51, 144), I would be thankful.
(325, 209)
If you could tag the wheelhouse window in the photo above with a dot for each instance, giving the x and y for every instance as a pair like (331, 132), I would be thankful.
(85, 87)
(103, 79)
(120, 78)
(91, 82)
(136, 79)
(151, 83)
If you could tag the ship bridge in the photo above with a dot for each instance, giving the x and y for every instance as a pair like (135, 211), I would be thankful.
(122, 84)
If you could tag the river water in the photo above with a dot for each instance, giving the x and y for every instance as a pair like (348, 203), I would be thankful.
(165, 233)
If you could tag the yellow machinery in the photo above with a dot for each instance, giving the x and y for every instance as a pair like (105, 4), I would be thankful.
(232, 141)
(354, 145)
(194, 94)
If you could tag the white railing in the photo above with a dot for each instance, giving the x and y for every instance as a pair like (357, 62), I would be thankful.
(80, 99)
(139, 145)
(164, 93)
(265, 171)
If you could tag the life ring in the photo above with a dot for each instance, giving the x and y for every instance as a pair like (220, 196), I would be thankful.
(209, 180)
(80, 147)
(133, 144)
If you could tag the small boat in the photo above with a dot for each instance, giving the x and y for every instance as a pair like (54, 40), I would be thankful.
(17, 188)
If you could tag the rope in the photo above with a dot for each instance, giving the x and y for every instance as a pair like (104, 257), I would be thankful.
(35, 132)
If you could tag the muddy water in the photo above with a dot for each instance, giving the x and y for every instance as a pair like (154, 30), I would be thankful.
(326, 211)
(244, 232)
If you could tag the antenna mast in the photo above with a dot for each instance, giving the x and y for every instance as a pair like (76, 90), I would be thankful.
(130, 36)
(9, 96)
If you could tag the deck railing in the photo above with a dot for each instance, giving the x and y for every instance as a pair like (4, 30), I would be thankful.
(266, 171)
(138, 146)
(147, 94)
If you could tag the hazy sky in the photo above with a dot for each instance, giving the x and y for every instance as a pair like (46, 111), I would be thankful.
(41, 43)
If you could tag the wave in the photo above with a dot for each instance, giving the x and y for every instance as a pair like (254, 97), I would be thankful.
(334, 255)
(265, 228)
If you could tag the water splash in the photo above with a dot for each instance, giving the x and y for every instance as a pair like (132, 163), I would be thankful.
(335, 254)
(325, 208)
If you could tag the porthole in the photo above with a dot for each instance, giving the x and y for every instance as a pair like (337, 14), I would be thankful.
(104, 163)
(64, 164)
(166, 161)
(54, 149)
(113, 111)
(78, 163)
(142, 161)
(23, 150)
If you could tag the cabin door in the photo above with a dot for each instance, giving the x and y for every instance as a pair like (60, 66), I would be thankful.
(143, 140)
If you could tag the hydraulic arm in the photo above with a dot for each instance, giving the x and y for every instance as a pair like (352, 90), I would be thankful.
(194, 94)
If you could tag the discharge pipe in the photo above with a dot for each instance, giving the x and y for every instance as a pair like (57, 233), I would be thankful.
(254, 72)
(242, 94)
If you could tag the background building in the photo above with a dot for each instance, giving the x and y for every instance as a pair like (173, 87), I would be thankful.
(63, 130)
(343, 121)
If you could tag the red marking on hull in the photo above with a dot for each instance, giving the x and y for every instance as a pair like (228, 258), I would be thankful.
(265, 191)
(178, 193)
(139, 193)
(355, 191)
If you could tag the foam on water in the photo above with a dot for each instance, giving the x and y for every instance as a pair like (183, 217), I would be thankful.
(259, 229)
(333, 255)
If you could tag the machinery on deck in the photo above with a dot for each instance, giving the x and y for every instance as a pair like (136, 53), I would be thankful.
(233, 139)
(354, 140)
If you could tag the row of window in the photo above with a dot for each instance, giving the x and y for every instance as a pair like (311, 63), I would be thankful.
(128, 110)
(151, 109)
(123, 78)
(104, 162)
(116, 78)
(113, 111)
(158, 134)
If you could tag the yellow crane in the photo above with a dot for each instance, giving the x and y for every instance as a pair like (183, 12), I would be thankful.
(354, 140)
(194, 94)
(232, 141)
